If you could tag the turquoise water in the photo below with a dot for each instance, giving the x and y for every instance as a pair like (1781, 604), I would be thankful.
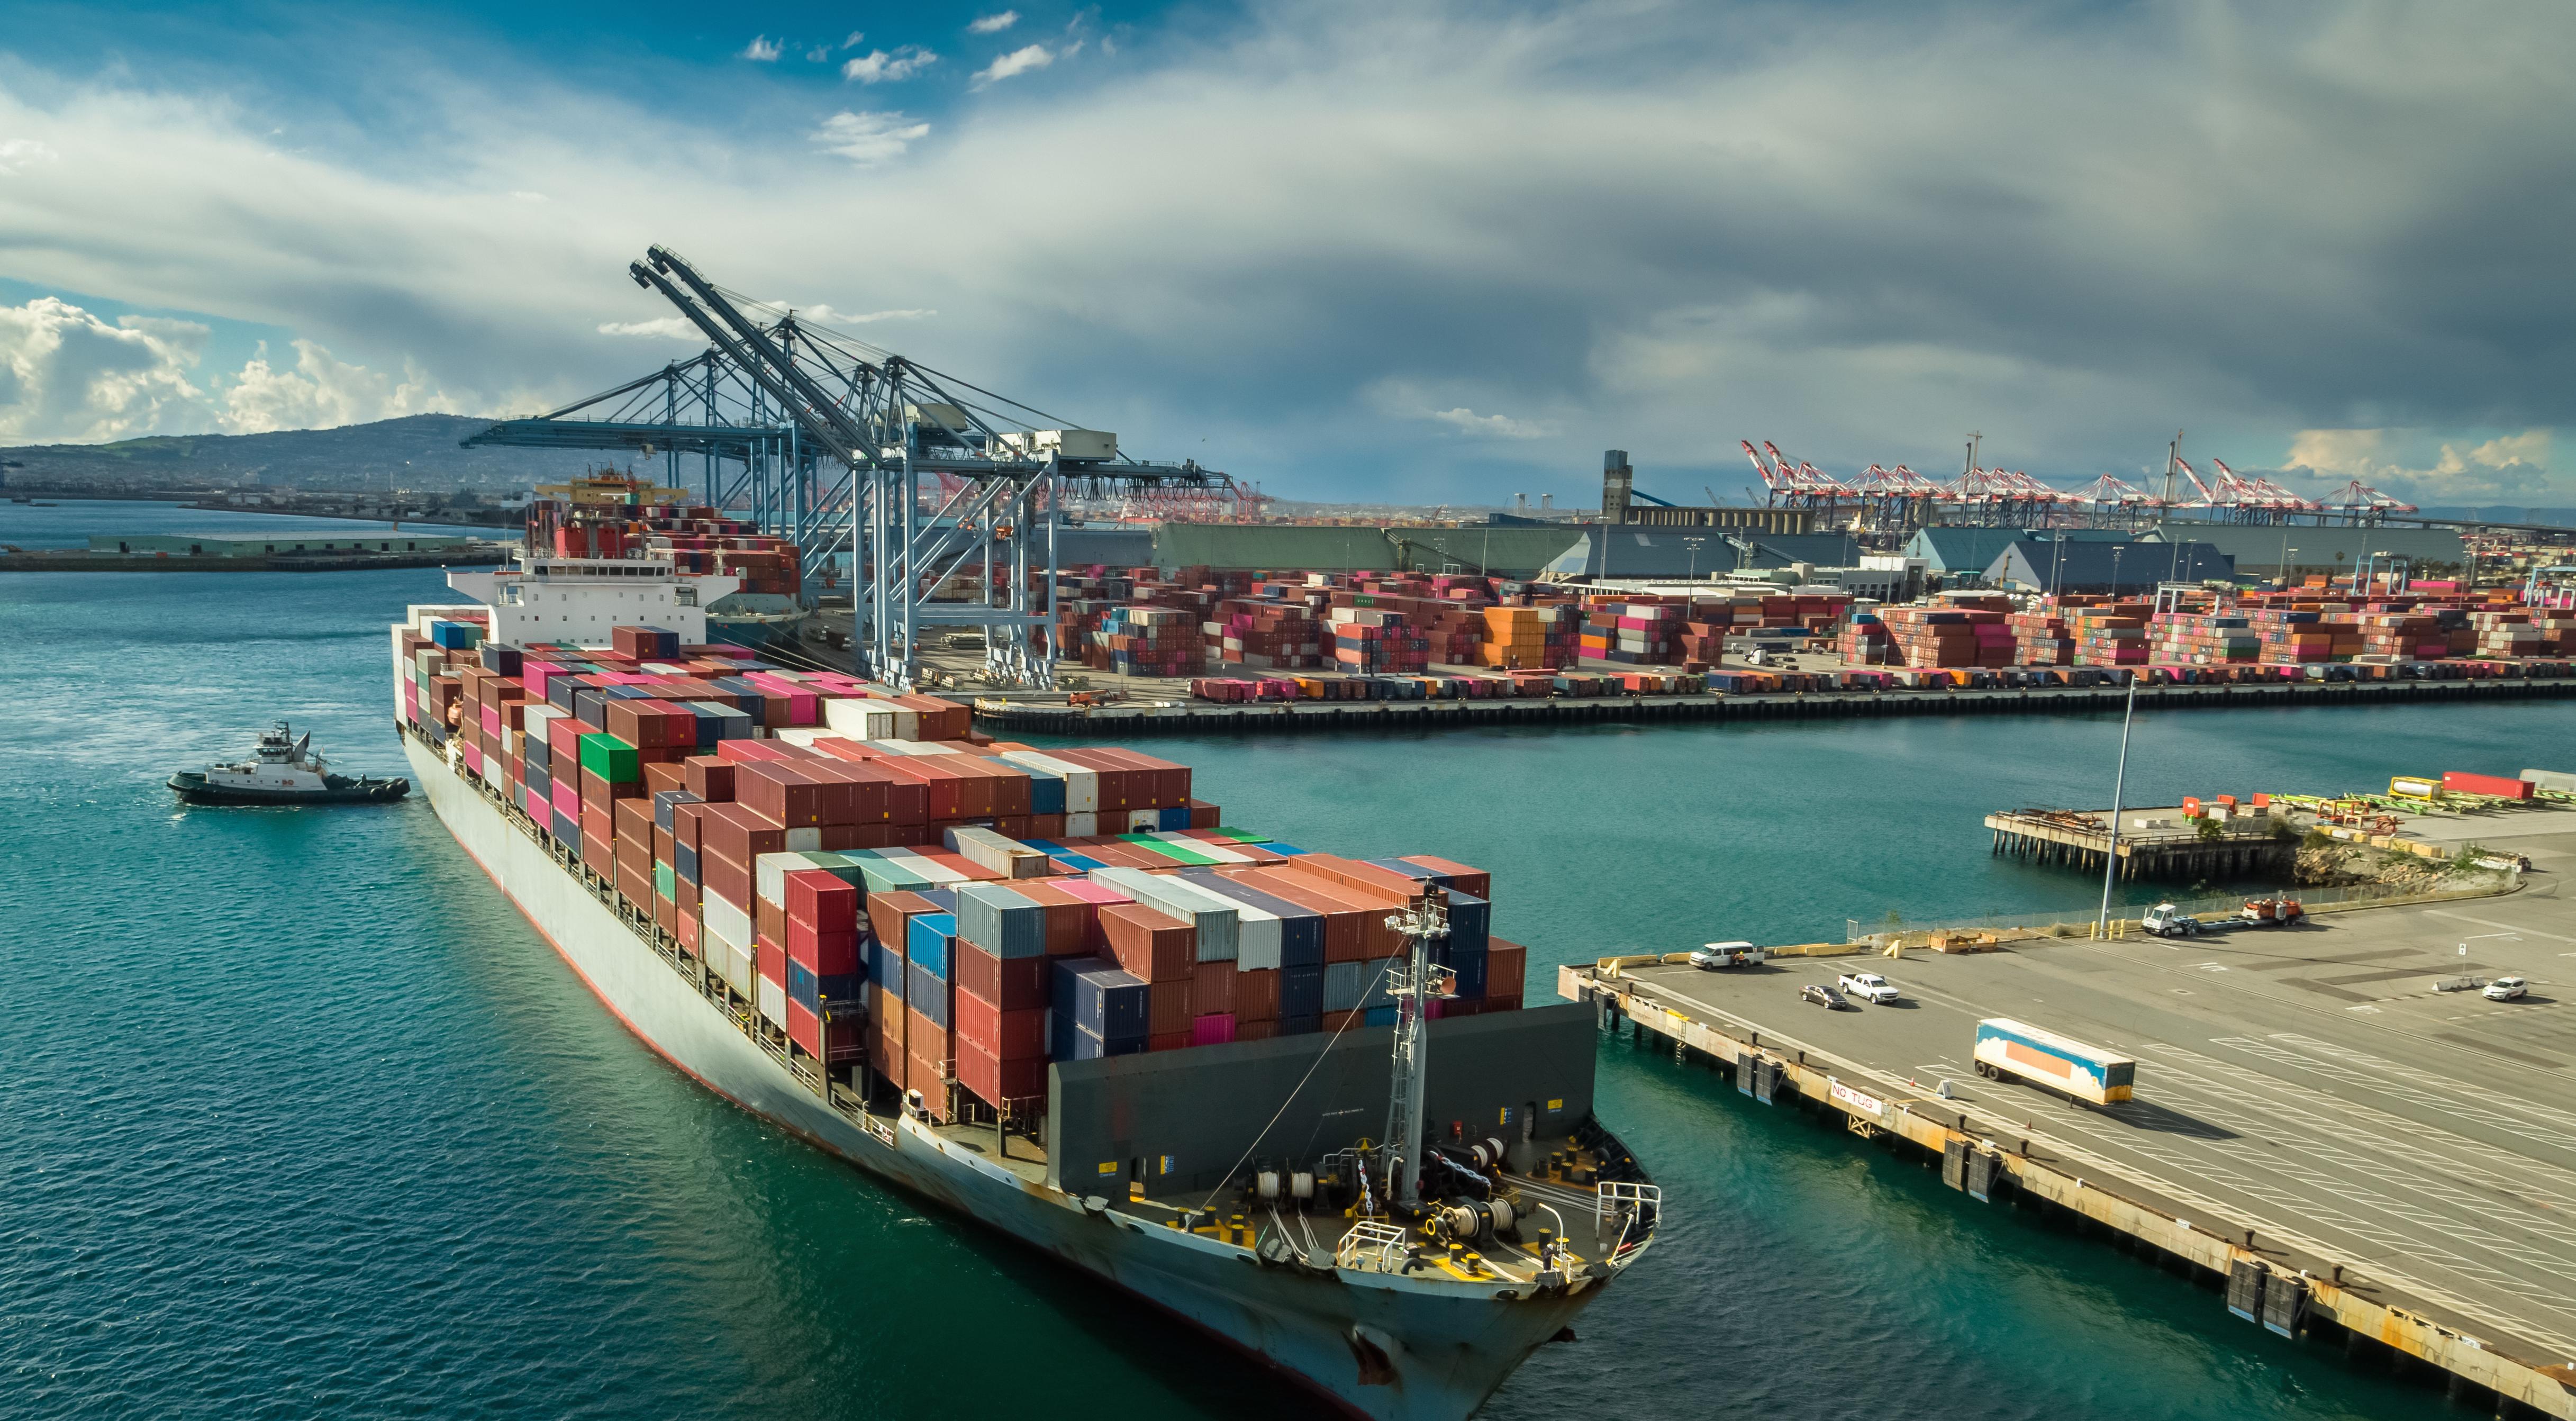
(298, 1118)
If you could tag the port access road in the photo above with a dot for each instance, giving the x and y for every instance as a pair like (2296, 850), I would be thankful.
(2306, 1083)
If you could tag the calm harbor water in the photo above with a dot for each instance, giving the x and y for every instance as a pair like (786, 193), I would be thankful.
(298, 1118)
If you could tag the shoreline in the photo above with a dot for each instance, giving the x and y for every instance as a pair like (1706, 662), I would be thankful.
(1349, 716)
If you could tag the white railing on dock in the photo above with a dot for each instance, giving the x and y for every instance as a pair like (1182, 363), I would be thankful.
(2079, 921)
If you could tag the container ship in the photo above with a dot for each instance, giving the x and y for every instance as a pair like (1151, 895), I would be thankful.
(1291, 1098)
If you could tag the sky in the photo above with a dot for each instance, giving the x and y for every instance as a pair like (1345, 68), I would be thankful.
(1346, 248)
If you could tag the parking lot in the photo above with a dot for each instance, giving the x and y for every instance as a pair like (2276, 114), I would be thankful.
(2306, 1081)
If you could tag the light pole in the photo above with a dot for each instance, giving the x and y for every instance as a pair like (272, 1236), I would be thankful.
(1693, 545)
(2119, 786)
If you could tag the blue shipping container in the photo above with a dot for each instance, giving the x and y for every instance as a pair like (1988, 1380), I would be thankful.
(802, 986)
(926, 944)
(886, 969)
(1006, 924)
(1301, 992)
(1099, 998)
(926, 994)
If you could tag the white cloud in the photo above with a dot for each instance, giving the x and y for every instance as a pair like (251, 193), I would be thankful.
(17, 155)
(2417, 465)
(322, 393)
(853, 41)
(1489, 426)
(67, 376)
(993, 24)
(1857, 235)
(662, 327)
(871, 137)
(879, 67)
(1018, 61)
(825, 316)
(762, 49)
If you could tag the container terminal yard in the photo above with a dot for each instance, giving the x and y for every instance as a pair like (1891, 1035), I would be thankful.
(2332, 1121)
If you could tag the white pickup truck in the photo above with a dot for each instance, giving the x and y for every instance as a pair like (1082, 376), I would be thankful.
(1868, 986)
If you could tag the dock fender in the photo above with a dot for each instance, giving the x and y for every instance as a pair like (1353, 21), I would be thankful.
(1373, 1351)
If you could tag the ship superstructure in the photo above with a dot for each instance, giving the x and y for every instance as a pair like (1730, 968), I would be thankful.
(957, 991)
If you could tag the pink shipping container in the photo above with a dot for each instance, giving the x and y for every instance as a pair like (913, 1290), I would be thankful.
(1212, 1030)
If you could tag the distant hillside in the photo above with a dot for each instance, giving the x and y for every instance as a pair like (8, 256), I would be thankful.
(415, 452)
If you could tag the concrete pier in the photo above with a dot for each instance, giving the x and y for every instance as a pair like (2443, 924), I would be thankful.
(1128, 719)
(2336, 1147)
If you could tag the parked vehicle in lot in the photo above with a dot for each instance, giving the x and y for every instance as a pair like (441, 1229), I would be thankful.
(2273, 912)
(1711, 956)
(2011, 1051)
(2505, 989)
(2166, 920)
(1868, 986)
(1821, 995)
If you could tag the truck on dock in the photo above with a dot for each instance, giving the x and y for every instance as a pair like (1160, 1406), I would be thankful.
(1869, 987)
(2011, 1051)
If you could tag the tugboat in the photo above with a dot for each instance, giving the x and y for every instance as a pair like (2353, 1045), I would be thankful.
(284, 770)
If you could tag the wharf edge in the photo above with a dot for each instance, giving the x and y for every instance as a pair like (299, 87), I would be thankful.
(1974, 1157)
(1124, 720)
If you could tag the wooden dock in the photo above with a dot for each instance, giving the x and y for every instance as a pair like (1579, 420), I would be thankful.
(2153, 842)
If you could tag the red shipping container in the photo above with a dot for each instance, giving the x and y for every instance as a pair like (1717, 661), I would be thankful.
(1015, 984)
(1255, 1030)
(823, 901)
(1069, 920)
(708, 778)
(1466, 880)
(1169, 1006)
(772, 956)
(769, 920)
(1506, 966)
(890, 916)
(1212, 988)
(1008, 1035)
(804, 1028)
(825, 954)
(1168, 1041)
(1256, 995)
(597, 854)
(725, 878)
(1148, 944)
(780, 792)
(994, 1081)
(2462, 782)
(687, 931)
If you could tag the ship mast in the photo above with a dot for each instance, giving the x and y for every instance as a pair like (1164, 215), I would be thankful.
(1415, 983)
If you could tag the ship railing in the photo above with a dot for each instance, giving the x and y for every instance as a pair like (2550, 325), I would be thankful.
(1372, 1246)
(1630, 1206)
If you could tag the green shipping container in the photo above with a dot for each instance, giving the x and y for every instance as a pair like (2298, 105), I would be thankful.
(610, 758)
(666, 882)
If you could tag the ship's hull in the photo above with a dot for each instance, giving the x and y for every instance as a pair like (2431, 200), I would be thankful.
(1377, 1345)
(196, 790)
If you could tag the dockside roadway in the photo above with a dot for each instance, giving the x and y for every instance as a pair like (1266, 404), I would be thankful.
(2313, 1122)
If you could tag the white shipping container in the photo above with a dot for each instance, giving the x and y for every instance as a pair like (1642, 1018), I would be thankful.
(723, 921)
(1085, 825)
(772, 997)
(737, 966)
(864, 720)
